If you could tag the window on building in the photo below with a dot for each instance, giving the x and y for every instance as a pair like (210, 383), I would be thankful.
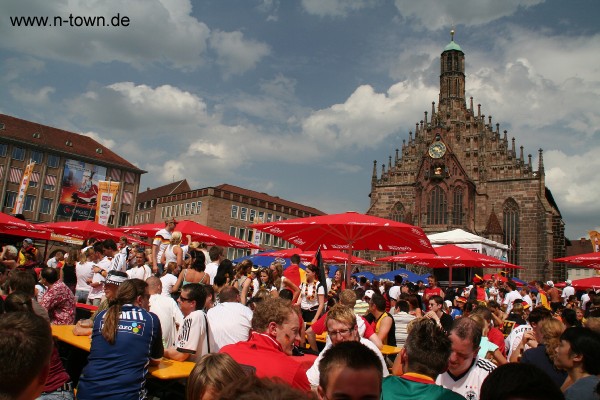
(9, 199)
(269, 217)
(230, 253)
(193, 207)
(147, 217)
(250, 236)
(252, 215)
(510, 214)
(234, 211)
(3, 149)
(53, 160)
(243, 213)
(261, 217)
(162, 213)
(232, 230)
(34, 179)
(242, 234)
(135, 219)
(436, 207)
(37, 156)
(267, 239)
(46, 206)
(124, 219)
(111, 219)
(457, 207)
(187, 208)
(29, 203)
(397, 213)
(198, 207)
(18, 153)
(50, 182)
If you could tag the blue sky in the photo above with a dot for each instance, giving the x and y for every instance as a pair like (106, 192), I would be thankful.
(297, 98)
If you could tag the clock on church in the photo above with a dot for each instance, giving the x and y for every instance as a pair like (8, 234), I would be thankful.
(437, 150)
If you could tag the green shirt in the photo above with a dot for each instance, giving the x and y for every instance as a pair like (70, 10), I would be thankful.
(401, 388)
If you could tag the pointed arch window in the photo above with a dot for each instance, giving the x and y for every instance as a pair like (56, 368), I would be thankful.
(398, 212)
(457, 207)
(437, 207)
(510, 214)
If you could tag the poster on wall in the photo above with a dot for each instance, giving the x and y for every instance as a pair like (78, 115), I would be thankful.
(79, 192)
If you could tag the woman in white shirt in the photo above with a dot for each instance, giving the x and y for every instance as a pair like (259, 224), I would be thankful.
(312, 295)
(84, 272)
(173, 252)
(280, 281)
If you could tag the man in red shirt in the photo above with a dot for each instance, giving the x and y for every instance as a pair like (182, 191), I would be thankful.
(293, 271)
(275, 328)
(432, 289)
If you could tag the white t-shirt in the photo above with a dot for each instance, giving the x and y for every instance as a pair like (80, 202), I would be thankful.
(98, 292)
(144, 272)
(228, 323)
(169, 315)
(514, 338)
(52, 262)
(307, 293)
(509, 300)
(211, 269)
(162, 239)
(313, 372)
(168, 281)
(567, 291)
(469, 385)
(191, 337)
(84, 272)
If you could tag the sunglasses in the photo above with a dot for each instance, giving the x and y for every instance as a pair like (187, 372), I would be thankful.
(184, 299)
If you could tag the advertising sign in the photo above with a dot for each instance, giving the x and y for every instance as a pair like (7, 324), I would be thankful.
(107, 194)
(79, 192)
(20, 200)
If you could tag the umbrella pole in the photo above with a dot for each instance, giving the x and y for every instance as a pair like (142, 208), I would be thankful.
(349, 270)
(450, 277)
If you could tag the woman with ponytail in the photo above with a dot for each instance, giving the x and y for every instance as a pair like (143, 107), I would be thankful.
(125, 339)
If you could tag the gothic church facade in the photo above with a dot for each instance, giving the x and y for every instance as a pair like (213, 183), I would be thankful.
(458, 170)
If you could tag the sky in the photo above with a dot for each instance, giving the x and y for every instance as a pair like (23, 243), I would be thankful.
(297, 98)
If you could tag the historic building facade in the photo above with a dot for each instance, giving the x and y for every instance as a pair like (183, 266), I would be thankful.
(63, 184)
(231, 209)
(459, 170)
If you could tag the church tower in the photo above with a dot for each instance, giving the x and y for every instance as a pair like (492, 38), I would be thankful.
(459, 170)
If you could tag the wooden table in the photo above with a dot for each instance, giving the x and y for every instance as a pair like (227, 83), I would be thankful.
(390, 350)
(166, 369)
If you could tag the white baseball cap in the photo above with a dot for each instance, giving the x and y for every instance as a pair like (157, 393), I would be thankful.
(369, 293)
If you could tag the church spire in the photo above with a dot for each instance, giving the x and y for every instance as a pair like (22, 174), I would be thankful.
(452, 76)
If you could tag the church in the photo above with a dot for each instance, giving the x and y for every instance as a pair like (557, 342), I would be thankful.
(459, 170)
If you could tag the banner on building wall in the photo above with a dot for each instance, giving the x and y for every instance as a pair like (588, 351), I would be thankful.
(257, 236)
(20, 200)
(79, 190)
(595, 238)
(107, 195)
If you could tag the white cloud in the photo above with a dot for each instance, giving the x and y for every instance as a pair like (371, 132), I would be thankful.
(37, 97)
(434, 14)
(15, 68)
(160, 31)
(367, 118)
(335, 8)
(235, 54)
(103, 141)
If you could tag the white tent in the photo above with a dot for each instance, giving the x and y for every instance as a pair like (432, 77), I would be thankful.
(470, 241)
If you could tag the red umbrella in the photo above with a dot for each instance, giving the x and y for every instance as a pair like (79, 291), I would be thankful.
(349, 231)
(8, 223)
(589, 260)
(199, 232)
(450, 256)
(585, 283)
(328, 256)
(84, 229)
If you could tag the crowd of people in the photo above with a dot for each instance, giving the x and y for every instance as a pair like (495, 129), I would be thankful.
(252, 331)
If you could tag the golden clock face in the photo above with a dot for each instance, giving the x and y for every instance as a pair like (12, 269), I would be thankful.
(437, 150)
